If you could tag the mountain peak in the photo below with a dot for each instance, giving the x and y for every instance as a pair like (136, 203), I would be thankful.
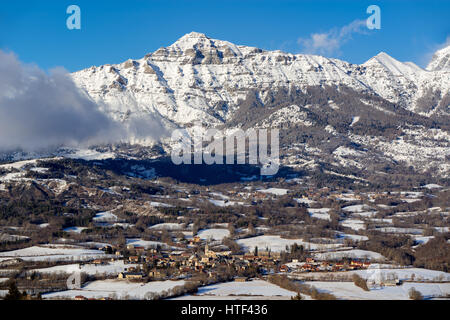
(382, 54)
(194, 35)
(191, 40)
(440, 60)
(199, 41)
(382, 57)
(392, 65)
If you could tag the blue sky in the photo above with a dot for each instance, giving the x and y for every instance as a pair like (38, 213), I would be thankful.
(113, 31)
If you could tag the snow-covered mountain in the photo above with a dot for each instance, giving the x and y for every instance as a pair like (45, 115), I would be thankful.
(440, 60)
(374, 121)
(203, 79)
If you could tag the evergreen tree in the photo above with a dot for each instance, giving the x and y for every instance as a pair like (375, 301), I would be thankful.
(13, 293)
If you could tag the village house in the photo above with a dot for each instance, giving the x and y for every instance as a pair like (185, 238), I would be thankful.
(284, 268)
(240, 279)
(130, 269)
(133, 259)
(131, 275)
(139, 249)
(307, 267)
(155, 273)
(339, 266)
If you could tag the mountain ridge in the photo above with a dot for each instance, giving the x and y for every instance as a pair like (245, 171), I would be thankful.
(382, 116)
(440, 60)
(198, 76)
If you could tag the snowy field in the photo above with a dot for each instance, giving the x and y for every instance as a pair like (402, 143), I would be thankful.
(432, 186)
(358, 208)
(55, 253)
(417, 274)
(75, 229)
(241, 290)
(304, 200)
(354, 237)
(277, 244)
(11, 237)
(219, 195)
(366, 214)
(414, 231)
(167, 226)
(111, 268)
(105, 217)
(213, 234)
(354, 224)
(348, 290)
(122, 289)
(422, 239)
(224, 203)
(160, 204)
(384, 271)
(354, 254)
(321, 213)
(146, 244)
(275, 191)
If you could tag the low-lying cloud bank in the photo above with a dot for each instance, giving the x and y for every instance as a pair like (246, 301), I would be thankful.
(45, 111)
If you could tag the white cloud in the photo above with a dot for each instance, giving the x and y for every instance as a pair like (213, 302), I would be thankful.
(331, 41)
(44, 111)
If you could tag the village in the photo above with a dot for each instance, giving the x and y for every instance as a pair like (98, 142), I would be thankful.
(133, 238)
(142, 265)
(155, 264)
